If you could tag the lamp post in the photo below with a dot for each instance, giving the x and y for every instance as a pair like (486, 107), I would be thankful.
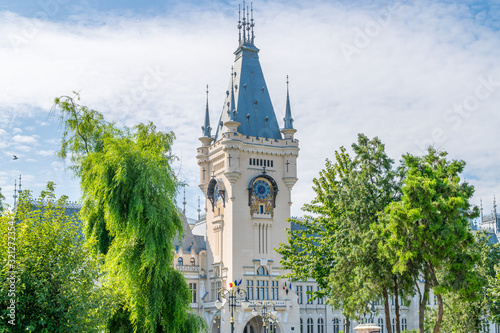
(267, 311)
(232, 296)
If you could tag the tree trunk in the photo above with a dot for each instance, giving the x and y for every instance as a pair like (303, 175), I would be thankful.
(387, 311)
(440, 314)
(422, 301)
(439, 298)
(396, 300)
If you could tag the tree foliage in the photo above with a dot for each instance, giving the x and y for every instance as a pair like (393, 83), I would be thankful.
(55, 272)
(338, 245)
(429, 232)
(128, 190)
(463, 315)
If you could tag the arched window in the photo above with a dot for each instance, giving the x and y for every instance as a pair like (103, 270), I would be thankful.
(180, 262)
(321, 327)
(301, 326)
(381, 325)
(262, 271)
(192, 261)
(310, 325)
(336, 325)
(403, 324)
(393, 325)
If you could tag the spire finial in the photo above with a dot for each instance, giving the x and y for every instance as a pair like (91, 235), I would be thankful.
(252, 24)
(15, 191)
(206, 127)
(481, 209)
(184, 202)
(199, 209)
(248, 24)
(239, 24)
(19, 191)
(244, 24)
(288, 111)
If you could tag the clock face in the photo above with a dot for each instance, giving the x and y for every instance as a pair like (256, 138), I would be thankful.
(261, 189)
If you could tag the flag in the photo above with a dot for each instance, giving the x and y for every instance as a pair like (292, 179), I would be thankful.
(230, 284)
(290, 286)
(240, 282)
(284, 286)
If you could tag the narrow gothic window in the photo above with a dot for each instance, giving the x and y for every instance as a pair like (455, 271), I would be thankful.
(180, 261)
(320, 326)
(192, 287)
(336, 325)
(250, 289)
(192, 261)
(310, 325)
(381, 325)
(403, 324)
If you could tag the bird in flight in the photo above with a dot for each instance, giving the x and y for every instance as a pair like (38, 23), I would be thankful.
(15, 157)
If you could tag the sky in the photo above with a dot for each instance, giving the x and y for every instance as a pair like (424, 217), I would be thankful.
(413, 73)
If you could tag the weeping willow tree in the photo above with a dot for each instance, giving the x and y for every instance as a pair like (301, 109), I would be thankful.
(128, 193)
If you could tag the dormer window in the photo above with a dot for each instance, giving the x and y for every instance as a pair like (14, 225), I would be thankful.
(180, 262)
(262, 271)
(192, 261)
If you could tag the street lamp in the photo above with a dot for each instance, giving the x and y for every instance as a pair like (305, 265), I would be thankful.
(267, 311)
(232, 296)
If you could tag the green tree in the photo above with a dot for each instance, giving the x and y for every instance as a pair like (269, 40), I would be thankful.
(128, 189)
(2, 203)
(47, 270)
(338, 245)
(429, 231)
(462, 315)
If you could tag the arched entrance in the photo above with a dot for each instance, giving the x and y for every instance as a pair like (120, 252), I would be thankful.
(215, 326)
(255, 325)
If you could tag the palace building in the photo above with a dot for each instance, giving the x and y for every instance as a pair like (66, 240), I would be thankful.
(247, 171)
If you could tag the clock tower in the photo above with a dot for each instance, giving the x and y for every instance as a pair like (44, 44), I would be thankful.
(248, 168)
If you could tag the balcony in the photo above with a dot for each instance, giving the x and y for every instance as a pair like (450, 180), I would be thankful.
(187, 268)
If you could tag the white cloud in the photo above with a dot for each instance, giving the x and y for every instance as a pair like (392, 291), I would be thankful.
(45, 152)
(24, 139)
(400, 83)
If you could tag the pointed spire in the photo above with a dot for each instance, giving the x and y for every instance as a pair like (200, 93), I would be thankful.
(481, 209)
(252, 24)
(199, 209)
(288, 112)
(184, 202)
(232, 107)
(246, 24)
(15, 192)
(19, 190)
(206, 128)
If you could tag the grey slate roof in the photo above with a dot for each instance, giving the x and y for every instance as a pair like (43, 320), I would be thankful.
(189, 240)
(252, 106)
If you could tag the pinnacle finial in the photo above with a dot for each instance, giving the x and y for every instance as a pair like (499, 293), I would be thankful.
(288, 111)
(199, 209)
(206, 127)
(252, 24)
(184, 202)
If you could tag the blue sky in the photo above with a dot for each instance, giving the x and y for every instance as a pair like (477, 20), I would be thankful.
(411, 72)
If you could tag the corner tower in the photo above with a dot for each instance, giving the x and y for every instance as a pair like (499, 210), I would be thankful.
(247, 172)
